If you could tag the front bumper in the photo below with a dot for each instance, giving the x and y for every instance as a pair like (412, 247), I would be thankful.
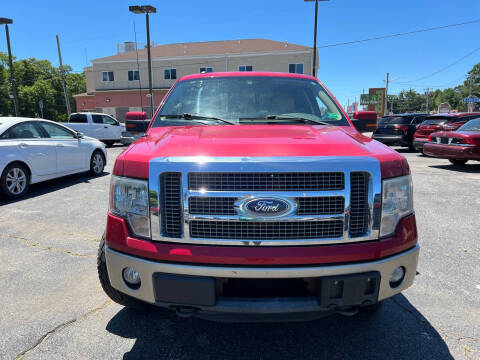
(418, 144)
(452, 151)
(148, 269)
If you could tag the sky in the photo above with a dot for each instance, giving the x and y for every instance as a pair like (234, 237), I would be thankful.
(91, 29)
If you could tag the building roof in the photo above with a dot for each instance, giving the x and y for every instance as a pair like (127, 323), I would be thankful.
(209, 48)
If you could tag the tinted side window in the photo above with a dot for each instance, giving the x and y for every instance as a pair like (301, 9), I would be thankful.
(108, 120)
(418, 119)
(25, 130)
(78, 118)
(97, 119)
(55, 131)
(5, 135)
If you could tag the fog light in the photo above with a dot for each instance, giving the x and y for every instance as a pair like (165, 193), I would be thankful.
(397, 276)
(131, 277)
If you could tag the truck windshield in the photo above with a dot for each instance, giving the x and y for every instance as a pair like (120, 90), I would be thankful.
(251, 98)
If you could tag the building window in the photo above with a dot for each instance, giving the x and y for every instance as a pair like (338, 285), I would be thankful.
(133, 75)
(170, 74)
(107, 76)
(245, 68)
(295, 68)
(206, 70)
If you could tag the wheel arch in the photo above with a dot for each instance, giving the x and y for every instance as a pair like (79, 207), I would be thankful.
(20, 162)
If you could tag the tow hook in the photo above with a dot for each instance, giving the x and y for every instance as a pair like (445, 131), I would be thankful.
(185, 311)
(346, 311)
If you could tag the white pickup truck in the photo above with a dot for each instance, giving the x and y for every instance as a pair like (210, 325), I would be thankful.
(97, 125)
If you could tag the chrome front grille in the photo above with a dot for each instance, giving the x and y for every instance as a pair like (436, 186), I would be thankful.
(305, 181)
(201, 200)
(259, 231)
(306, 205)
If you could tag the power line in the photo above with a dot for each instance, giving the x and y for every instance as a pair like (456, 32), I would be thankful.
(441, 70)
(398, 34)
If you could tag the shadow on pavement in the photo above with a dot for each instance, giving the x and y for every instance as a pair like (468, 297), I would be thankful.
(467, 168)
(397, 331)
(49, 186)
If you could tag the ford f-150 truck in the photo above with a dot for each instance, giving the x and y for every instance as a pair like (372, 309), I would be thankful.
(258, 200)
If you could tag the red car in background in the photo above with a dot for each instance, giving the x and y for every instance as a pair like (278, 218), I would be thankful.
(457, 146)
(439, 122)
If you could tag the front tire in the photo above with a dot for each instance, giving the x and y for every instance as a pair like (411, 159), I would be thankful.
(458, 161)
(15, 181)
(112, 293)
(97, 163)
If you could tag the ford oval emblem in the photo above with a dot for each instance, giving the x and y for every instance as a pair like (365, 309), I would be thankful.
(266, 207)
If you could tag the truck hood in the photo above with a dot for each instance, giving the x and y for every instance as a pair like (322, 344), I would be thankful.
(254, 141)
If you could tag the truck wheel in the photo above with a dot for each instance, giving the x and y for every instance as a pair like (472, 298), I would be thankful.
(97, 163)
(15, 181)
(458, 161)
(113, 294)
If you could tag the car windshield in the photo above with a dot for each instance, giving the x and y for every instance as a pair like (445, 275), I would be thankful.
(246, 99)
(472, 125)
(404, 120)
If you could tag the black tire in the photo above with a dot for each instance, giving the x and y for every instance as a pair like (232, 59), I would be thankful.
(6, 180)
(412, 148)
(97, 163)
(108, 142)
(458, 161)
(112, 293)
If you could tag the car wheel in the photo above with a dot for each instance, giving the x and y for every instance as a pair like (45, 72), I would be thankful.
(412, 148)
(112, 293)
(97, 163)
(109, 143)
(458, 161)
(15, 181)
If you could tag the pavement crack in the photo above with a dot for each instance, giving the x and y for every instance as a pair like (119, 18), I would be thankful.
(47, 248)
(44, 337)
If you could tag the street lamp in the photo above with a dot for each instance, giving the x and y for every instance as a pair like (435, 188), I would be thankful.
(146, 9)
(6, 21)
(315, 37)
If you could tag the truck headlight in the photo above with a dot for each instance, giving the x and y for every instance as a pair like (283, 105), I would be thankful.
(397, 202)
(129, 200)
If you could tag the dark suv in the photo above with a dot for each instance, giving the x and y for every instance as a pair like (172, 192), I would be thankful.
(398, 129)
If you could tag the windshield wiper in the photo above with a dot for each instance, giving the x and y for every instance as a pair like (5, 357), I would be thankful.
(188, 116)
(282, 118)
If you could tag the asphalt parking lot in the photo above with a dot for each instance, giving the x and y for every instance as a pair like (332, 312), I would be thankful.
(54, 308)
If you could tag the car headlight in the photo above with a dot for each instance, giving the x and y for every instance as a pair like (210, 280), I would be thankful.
(129, 200)
(397, 202)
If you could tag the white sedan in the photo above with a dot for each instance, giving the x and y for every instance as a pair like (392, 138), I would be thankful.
(35, 150)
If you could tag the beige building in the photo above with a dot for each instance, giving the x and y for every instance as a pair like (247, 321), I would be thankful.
(119, 83)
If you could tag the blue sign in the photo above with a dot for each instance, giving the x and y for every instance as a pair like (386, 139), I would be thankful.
(471, 100)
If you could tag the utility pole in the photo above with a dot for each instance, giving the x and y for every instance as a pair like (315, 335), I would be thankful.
(470, 105)
(314, 65)
(385, 110)
(64, 82)
(10, 65)
(427, 94)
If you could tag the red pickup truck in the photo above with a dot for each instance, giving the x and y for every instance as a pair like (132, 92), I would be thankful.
(252, 196)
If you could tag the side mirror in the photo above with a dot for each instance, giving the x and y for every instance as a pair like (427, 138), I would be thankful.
(78, 135)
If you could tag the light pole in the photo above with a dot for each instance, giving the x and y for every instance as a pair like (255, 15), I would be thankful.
(147, 9)
(314, 66)
(6, 21)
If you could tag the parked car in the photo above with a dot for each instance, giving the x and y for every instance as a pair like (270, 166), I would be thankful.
(136, 124)
(439, 122)
(364, 121)
(259, 201)
(457, 146)
(35, 150)
(97, 125)
(398, 129)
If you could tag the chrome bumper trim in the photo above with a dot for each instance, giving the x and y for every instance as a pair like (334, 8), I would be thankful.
(117, 261)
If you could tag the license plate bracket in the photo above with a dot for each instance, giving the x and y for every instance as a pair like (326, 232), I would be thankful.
(348, 290)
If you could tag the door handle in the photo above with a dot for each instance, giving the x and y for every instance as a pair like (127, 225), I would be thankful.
(60, 145)
(105, 127)
(23, 145)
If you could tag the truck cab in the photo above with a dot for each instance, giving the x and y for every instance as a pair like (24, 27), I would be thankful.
(97, 125)
(258, 201)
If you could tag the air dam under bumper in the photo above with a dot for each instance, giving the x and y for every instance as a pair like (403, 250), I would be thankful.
(149, 271)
